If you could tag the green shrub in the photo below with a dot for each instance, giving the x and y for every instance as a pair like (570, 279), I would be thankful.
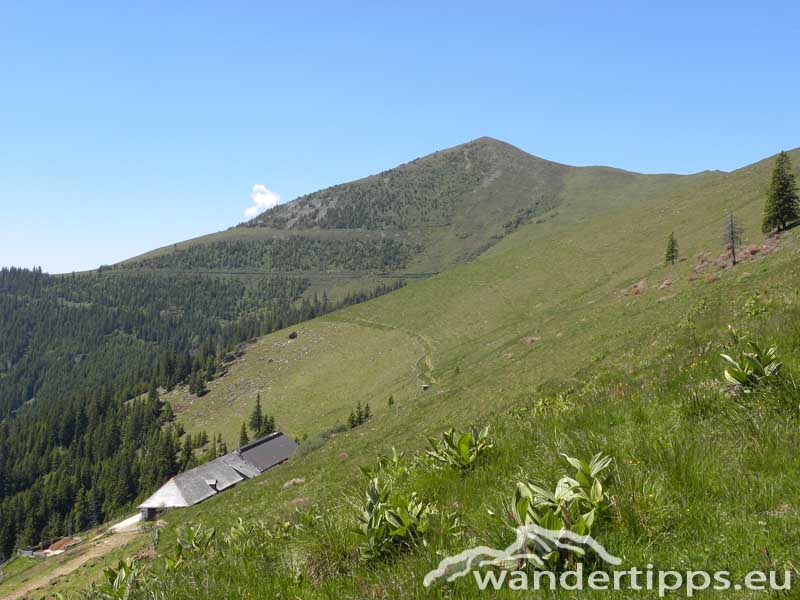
(317, 441)
(753, 369)
(389, 523)
(118, 582)
(577, 504)
(459, 451)
(390, 468)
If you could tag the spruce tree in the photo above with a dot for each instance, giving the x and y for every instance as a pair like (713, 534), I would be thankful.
(781, 207)
(243, 439)
(166, 457)
(212, 452)
(93, 513)
(367, 413)
(197, 384)
(359, 414)
(152, 392)
(268, 425)
(187, 452)
(672, 249)
(193, 383)
(257, 417)
(167, 414)
(732, 235)
(154, 401)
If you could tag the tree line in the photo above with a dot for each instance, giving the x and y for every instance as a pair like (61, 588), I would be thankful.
(295, 253)
(781, 211)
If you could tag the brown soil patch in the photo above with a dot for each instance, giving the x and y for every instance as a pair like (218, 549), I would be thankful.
(100, 548)
(638, 288)
(63, 543)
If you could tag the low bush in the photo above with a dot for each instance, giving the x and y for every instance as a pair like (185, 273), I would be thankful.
(460, 451)
(318, 440)
(388, 522)
(753, 369)
(577, 504)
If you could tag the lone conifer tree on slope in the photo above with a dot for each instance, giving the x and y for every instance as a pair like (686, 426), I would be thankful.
(732, 235)
(257, 417)
(672, 249)
(782, 202)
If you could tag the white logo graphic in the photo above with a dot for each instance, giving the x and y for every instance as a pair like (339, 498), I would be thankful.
(532, 543)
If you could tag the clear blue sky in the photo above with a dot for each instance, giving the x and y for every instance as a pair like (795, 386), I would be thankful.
(126, 126)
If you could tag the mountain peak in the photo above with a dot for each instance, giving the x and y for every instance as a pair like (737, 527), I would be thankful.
(428, 191)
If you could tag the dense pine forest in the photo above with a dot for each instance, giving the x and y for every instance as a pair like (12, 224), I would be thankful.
(295, 253)
(62, 334)
(82, 360)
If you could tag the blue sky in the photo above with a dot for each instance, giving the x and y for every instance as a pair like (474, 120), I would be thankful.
(127, 126)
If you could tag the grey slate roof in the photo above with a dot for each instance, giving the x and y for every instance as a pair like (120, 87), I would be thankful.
(235, 461)
(269, 451)
(216, 474)
(200, 483)
(193, 487)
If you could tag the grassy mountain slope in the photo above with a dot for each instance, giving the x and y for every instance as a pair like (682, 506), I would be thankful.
(560, 282)
(633, 371)
(437, 211)
(547, 310)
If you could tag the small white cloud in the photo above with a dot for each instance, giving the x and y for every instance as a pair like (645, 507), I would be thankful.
(263, 199)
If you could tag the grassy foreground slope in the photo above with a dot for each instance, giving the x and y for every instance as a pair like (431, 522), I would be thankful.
(544, 338)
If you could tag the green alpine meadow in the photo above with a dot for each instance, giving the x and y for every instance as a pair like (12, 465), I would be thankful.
(441, 415)
(399, 301)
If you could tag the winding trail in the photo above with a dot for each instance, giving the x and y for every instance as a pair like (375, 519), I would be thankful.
(423, 367)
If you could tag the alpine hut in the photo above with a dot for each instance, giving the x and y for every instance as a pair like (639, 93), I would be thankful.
(195, 485)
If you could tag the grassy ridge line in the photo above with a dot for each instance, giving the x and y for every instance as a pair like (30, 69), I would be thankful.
(510, 181)
(303, 274)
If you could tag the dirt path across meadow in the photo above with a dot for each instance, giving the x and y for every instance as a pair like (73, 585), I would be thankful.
(423, 367)
(99, 548)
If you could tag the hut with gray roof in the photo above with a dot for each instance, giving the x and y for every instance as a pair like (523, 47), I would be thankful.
(200, 483)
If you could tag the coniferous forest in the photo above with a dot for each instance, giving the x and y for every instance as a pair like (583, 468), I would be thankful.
(83, 433)
(295, 253)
